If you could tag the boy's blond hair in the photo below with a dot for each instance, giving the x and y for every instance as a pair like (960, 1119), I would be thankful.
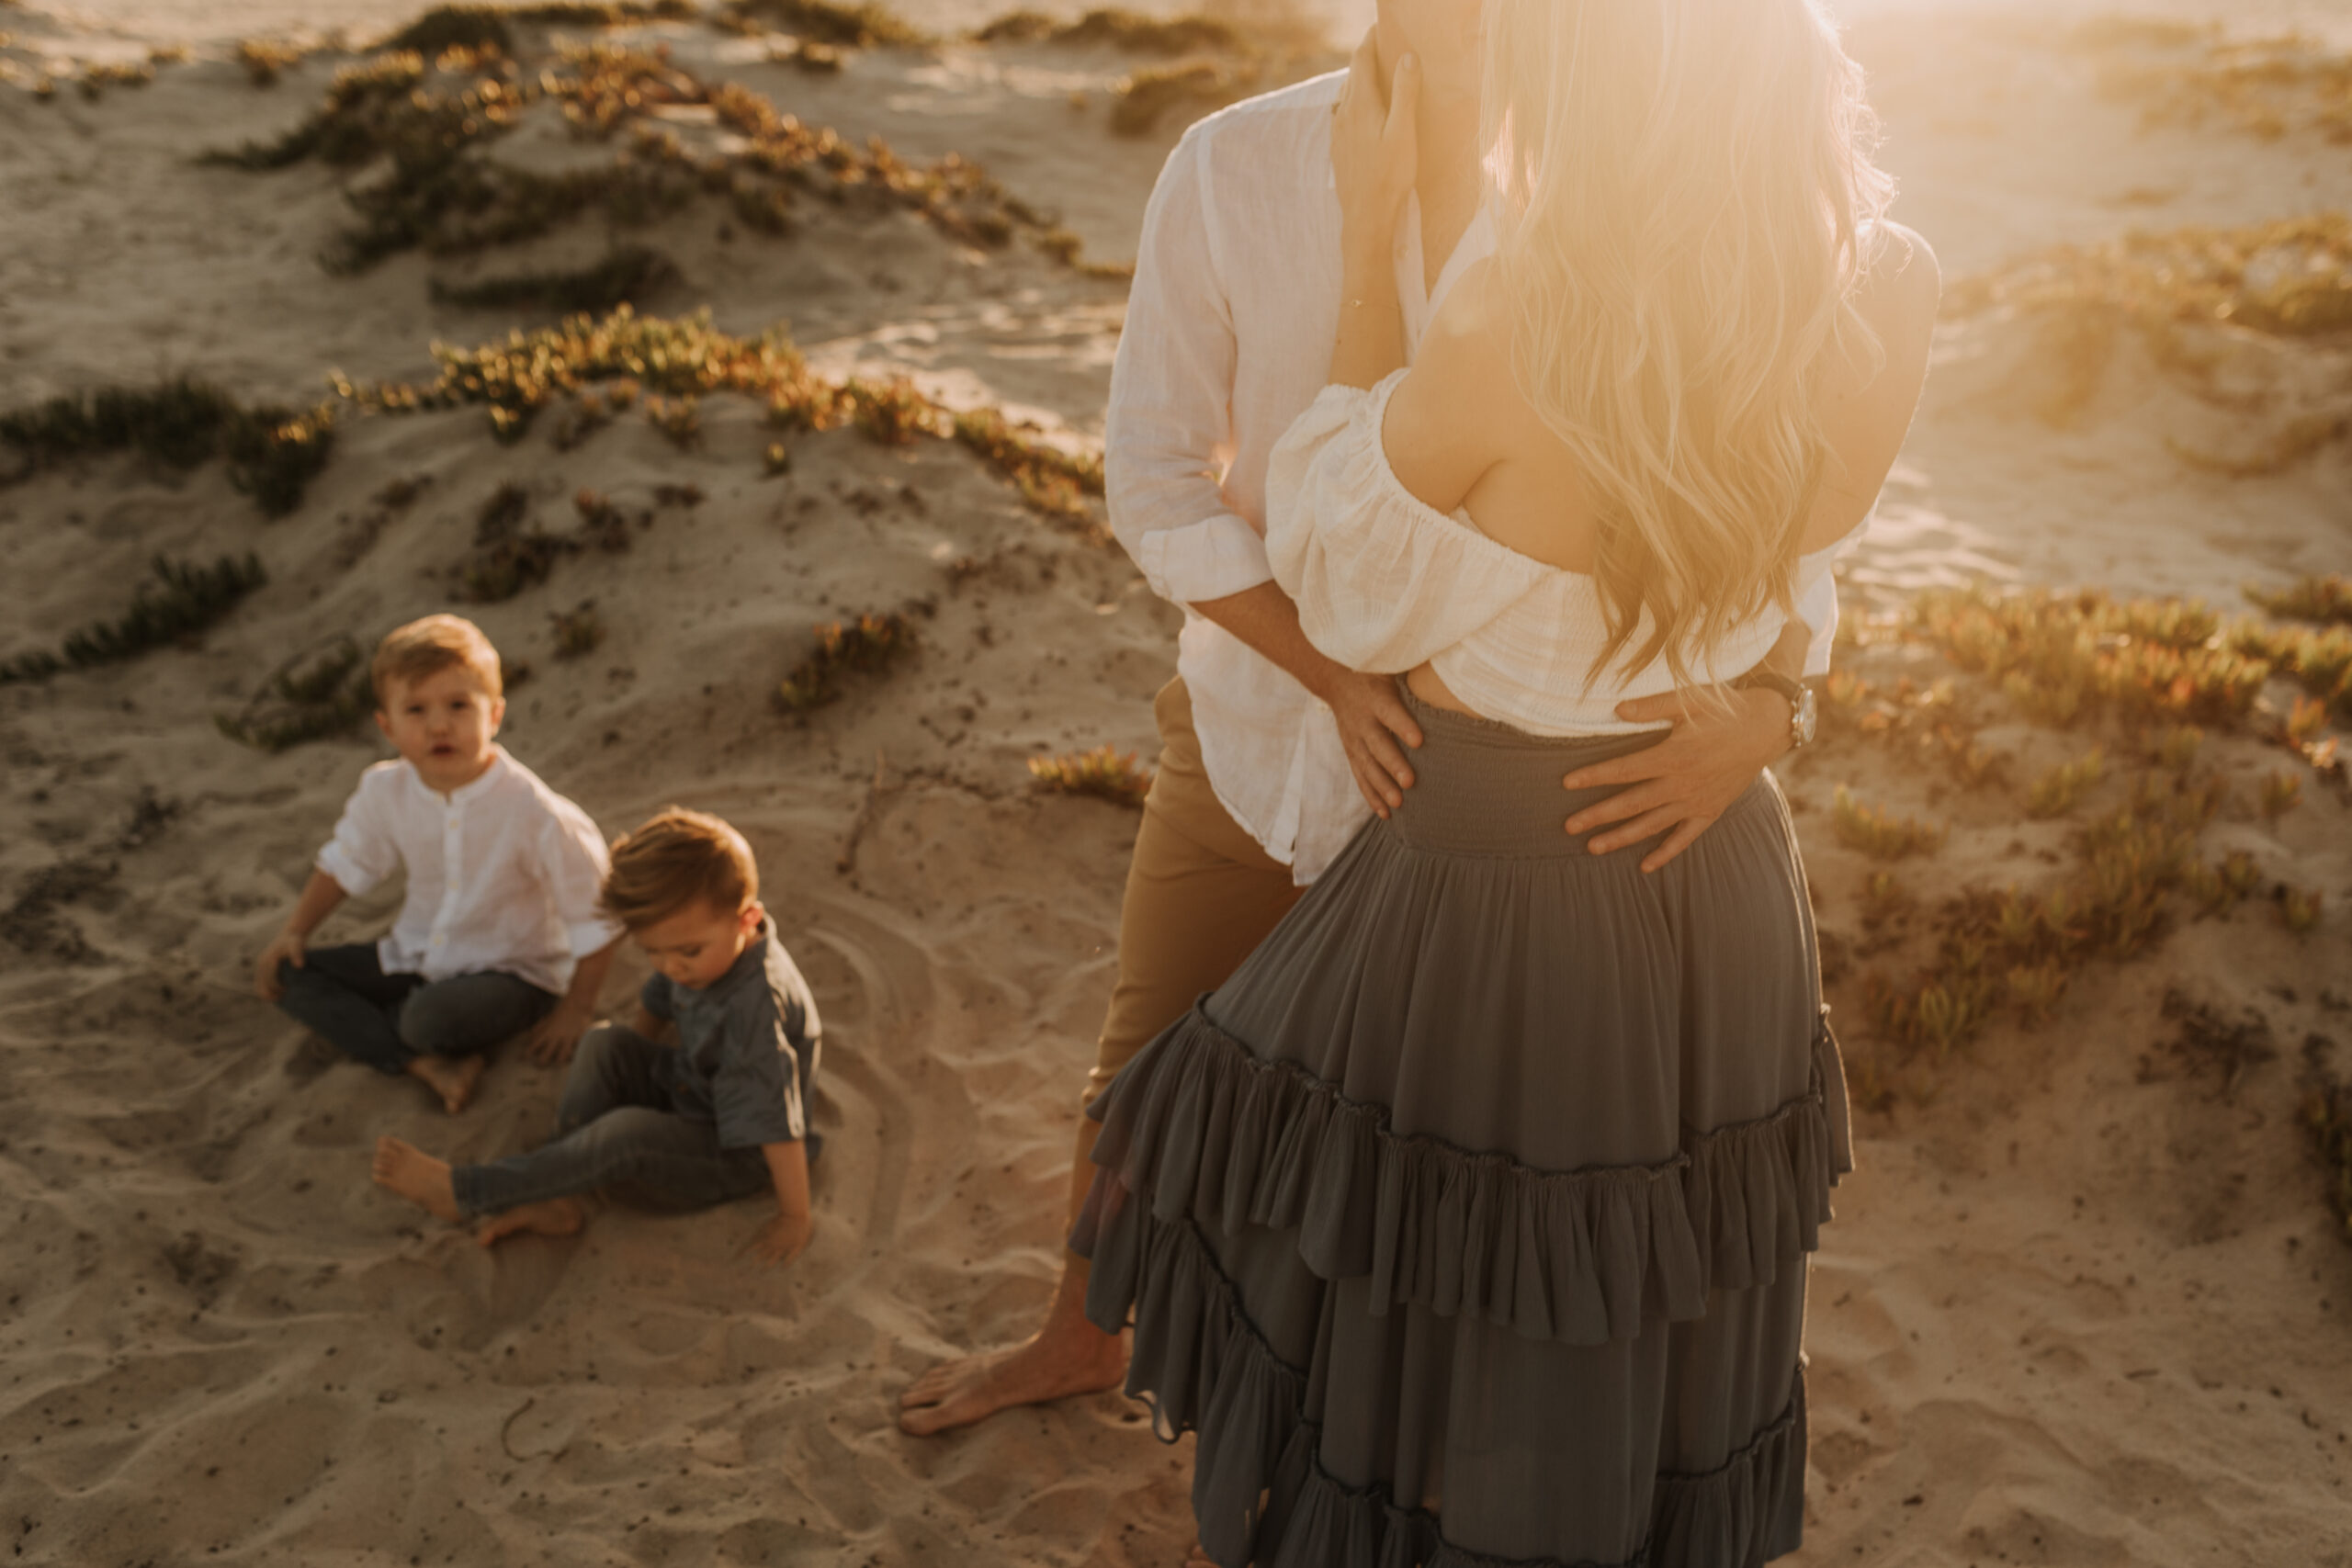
(676, 857)
(424, 648)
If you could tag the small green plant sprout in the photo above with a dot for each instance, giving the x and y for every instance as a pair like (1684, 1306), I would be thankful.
(2240, 873)
(2323, 600)
(2177, 748)
(892, 413)
(578, 631)
(2281, 791)
(1880, 834)
(265, 59)
(2034, 989)
(183, 600)
(602, 524)
(777, 460)
(866, 25)
(1145, 96)
(2299, 909)
(273, 452)
(1103, 773)
(1948, 1016)
(680, 419)
(316, 694)
(870, 644)
(1052, 482)
(2055, 792)
(1845, 691)
(1884, 898)
(2306, 720)
(627, 275)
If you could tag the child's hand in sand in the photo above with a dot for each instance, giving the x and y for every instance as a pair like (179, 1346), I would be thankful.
(556, 1036)
(286, 947)
(782, 1239)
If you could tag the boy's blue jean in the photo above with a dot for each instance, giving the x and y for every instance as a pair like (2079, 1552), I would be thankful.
(384, 1020)
(615, 1130)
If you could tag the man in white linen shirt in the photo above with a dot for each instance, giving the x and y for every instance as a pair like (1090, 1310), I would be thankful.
(1272, 755)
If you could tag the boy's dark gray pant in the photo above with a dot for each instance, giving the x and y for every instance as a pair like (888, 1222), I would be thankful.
(384, 1020)
(615, 1130)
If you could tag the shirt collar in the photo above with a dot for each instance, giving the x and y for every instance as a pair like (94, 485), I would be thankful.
(466, 793)
(752, 961)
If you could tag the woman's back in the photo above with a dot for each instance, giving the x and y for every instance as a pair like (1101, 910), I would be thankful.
(1461, 434)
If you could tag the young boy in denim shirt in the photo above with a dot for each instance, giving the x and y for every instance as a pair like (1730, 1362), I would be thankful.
(499, 932)
(702, 1099)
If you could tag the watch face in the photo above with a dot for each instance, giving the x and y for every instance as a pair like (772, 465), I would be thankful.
(1808, 715)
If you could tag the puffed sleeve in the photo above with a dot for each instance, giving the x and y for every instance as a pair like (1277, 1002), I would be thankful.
(1816, 588)
(756, 1095)
(1382, 579)
(364, 850)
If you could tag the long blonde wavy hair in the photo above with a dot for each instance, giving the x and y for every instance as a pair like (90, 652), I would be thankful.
(1686, 196)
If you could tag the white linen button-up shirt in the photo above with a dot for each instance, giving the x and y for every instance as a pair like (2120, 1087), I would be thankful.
(503, 873)
(1228, 335)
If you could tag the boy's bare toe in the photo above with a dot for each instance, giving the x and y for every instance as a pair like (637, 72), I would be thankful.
(454, 1079)
(973, 1388)
(416, 1176)
(555, 1216)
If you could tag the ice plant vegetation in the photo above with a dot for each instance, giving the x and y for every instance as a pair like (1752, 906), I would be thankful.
(870, 644)
(1104, 773)
(183, 600)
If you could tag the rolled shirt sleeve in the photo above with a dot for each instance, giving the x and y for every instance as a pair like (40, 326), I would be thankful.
(757, 1093)
(1169, 431)
(363, 851)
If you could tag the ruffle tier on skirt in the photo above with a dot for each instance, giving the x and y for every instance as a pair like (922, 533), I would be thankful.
(1466, 1224)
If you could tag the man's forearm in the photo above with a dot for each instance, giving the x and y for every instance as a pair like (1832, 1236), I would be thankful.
(1266, 620)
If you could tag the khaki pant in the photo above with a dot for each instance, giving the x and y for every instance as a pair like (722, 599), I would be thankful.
(1201, 895)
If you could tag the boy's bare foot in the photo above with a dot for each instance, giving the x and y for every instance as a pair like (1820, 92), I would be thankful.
(552, 1216)
(1063, 1360)
(417, 1177)
(454, 1079)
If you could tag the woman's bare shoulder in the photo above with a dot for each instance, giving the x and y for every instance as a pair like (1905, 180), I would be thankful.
(1901, 287)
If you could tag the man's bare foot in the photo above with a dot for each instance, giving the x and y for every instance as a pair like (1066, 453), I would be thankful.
(552, 1216)
(1199, 1558)
(417, 1177)
(454, 1079)
(1078, 1358)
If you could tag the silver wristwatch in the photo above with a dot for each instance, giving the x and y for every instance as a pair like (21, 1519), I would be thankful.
(1803, 714)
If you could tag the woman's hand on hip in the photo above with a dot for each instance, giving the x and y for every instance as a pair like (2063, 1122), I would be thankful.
(1376, 728)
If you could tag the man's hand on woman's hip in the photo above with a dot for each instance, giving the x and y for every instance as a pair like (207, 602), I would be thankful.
(1687, 780)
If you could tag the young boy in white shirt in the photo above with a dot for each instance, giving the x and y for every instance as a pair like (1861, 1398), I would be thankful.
(499, 932)
(702, 1099)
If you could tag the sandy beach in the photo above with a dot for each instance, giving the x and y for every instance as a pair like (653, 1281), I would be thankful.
(2084, 1301)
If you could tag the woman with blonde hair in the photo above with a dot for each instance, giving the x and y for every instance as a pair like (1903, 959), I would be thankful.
(1468, 1222)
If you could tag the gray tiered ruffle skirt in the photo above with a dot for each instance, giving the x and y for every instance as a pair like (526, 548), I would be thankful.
(1466, 1222)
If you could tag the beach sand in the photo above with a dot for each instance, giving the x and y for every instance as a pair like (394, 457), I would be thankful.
(2083, 1304)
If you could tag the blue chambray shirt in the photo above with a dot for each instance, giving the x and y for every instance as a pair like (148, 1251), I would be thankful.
(748, 1045)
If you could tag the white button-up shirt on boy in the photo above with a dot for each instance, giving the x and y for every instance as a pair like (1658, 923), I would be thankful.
(1228, 340)
(503, 872)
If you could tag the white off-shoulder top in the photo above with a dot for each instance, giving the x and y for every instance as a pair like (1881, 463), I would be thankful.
(1385, 582)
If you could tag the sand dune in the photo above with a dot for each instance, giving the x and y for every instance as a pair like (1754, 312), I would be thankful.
(2083, 1304)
